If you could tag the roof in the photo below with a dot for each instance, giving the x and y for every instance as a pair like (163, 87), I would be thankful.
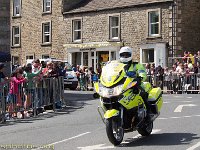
(97, 5)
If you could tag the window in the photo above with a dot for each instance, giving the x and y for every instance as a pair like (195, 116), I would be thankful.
(29, 57)
(45, 56)
(154, 23)
(148, 56)
(46, 5)
(15, 60)
(77, 30)
(114, 27)
(15, 36)
(46, 32)
(16, 7)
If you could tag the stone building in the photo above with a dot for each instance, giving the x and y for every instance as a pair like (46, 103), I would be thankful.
(155, 29)
(36, 29)
(89, 32)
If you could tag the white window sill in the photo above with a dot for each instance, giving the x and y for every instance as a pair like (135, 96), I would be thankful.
(154, 36)
(16, 46)
(46, 44)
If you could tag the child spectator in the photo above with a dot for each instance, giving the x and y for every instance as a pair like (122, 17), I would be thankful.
(30, 87)
(12, 98)
(36, 66)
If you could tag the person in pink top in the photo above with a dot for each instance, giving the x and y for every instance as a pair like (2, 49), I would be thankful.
(16, 79)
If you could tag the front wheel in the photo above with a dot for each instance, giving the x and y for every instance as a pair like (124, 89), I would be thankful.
(146, 129)
(114, 131)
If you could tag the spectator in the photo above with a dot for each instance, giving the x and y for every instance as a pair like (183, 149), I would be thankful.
(82, 79)
(148, 70)
(198, 56)
(191, 58)
(195, 59)
(176, 62)
(12, 97)
(30, 86)
(159, 76)
(36, 66)
(185, 57)
(62, 69)
(51, 70)
(52, 73)
(190, 65)
(168, 79)
(92, 73)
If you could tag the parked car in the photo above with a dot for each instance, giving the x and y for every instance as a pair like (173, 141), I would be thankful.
(70, 79)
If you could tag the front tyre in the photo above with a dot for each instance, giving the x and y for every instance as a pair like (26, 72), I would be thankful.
(114, 131)
(146, 129)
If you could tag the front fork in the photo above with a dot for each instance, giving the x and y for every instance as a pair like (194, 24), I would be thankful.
(102, 111)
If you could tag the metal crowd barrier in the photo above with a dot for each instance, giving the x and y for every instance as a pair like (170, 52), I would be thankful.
(47, 92)
(176, 83)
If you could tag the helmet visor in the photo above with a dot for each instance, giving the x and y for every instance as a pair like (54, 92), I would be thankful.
(125, 55)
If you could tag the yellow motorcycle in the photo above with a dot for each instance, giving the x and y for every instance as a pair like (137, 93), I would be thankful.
(122, 107)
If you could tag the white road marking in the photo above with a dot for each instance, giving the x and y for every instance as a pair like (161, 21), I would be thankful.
(63, 140)
(189, 97)
(178, 117)
(194, 146)
(180, 107)
(178, 96)
(96, 147)
(176, 101)
(139, 136)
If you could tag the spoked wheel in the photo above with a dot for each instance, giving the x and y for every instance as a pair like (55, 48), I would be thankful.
(114, 130)
(146, 129)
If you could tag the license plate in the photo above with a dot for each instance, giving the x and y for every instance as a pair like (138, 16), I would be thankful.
(68, 83)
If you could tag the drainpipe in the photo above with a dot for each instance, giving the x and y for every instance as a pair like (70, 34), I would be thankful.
(173, 27)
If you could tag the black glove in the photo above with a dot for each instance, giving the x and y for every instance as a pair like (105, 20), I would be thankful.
(139, 80)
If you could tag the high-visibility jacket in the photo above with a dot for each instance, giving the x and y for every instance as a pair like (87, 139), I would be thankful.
(139, 70)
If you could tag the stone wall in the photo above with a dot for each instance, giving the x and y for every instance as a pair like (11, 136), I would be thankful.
(30, 22)
(134, 26)
(188, 26)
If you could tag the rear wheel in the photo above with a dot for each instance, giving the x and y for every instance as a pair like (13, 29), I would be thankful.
(114, 131)
(146, 129)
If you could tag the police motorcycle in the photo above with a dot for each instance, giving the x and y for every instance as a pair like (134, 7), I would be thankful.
(122, 108)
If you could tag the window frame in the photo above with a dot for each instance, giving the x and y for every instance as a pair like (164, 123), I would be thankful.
(44, 6)
(78, 30)
(14, 14)
(30, 55)
(13, 35)
(147, 52)
(149, 12)
(42, 56)
(47, 34)
(114, 27)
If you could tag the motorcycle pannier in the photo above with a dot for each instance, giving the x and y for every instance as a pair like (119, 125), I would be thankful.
(155, 99)
(154, 95)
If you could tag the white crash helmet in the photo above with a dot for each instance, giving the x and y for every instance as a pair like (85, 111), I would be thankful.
(125, 54)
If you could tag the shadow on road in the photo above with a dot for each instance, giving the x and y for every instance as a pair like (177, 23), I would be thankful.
(161, 140)
(73, 101)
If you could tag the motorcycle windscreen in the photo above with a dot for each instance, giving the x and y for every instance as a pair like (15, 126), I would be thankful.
(112, 73)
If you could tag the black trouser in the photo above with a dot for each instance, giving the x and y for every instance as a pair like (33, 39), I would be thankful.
(144, 96)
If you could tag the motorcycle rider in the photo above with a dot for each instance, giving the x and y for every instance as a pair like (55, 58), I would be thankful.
(135, 70)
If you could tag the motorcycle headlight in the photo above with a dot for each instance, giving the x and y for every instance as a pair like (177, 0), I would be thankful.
(109, 92)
